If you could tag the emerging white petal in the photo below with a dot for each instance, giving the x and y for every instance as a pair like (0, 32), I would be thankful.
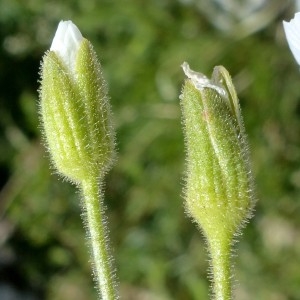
(200, 81)
(292, 32)
(66, 42)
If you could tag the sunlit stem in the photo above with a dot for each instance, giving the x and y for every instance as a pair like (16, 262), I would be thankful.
(95, 223)
(220, 253)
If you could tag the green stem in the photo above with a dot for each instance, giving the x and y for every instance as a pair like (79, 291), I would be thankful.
(95, 223)
(220, 251)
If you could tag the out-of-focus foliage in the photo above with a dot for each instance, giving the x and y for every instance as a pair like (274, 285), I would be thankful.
(159, 254)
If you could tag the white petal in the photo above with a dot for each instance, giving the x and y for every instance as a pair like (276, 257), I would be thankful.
(200, 81)
(292, 32)
(66, 42)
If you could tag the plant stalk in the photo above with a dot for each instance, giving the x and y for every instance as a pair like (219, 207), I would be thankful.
(95, 222)
(220, 253)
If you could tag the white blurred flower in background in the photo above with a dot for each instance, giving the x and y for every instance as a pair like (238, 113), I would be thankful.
(292, 33)
(240, 18)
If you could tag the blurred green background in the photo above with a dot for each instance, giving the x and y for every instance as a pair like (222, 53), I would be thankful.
(159, 254)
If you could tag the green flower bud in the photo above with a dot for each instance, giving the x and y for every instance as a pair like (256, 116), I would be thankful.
(74, 107)
(219, 186)
(219, 192)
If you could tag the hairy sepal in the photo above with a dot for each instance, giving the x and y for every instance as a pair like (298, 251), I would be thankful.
(218, 190)
(76, 115)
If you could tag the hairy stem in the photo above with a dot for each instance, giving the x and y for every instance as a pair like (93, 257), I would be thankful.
(97, 233)
(220, 252)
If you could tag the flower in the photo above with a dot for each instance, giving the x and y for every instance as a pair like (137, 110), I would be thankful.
(292, 32)
(74, 107)
(219, 185)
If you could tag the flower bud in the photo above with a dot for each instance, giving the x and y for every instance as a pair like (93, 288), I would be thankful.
(74, 107)
(219, 188)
